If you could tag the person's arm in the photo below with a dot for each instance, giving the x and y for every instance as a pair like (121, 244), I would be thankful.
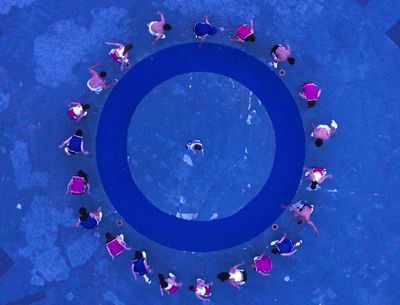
(206, 19)
(83, 149)
(162, 17)
(287, 47)
(158, 37)
(201, 298)
(319, 92)
(233, 268)
(91, 69)
(283, 237)
(289, 254)
(133, 271)
(65, 142)
(88, 188)
(69, 186)
(301, 94)
(235, 40)
(313, 226)
(115, 44)
(161, 291)
(81, 116)
(147, 266)
(74, 103)
(264, 273)
(107, 86)
(233, 283)
(252, 25)
(326, 177)
(78, 223)
(109, 252)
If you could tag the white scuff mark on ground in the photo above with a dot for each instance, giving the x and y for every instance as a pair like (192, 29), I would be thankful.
(187, 216)
(375, 194)
(182, 200)
(187, 160)
(259, 102)
(214, 216)
(250, 95)
(332, 191)
(249, 185)
(19, 206)
(248, 121)
(232, 83)
(286, 278)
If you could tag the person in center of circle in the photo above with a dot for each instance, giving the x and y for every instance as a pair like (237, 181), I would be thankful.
(202, 290)
(244, 33)
(236, 277)
(204, 29)
(74, 144)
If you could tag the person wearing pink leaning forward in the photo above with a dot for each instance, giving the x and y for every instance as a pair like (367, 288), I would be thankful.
(157, 28)
(310, 92)
(244, 33)
(262, 264)
(120, 54)
(316, 175)
(323, 132)
(77, 111)
(235, 277)
(202, 290)
(96, 83)
(115, 245)
(302, 211)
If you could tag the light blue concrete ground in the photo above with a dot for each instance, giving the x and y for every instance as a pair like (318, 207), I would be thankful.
(341, 45)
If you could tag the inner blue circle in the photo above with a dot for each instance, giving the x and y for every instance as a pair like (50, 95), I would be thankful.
(238, 139)
(178, 233)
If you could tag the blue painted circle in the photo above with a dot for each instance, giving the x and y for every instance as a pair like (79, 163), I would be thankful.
(260, 212)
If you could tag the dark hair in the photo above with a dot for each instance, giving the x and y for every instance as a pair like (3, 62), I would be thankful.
(103, 74)
(109, 237)
(197, 147)
(314, 185)
(192, 288)
(319, 142)
(85, 106)
(138, 254)
(250, 38)
(84, 214)
(127, 48)
(79, 133)
(291, 60)
(275, 250)
(82, 174)
(311, 103)
(223, 276)
(163, 282)
(167, 27)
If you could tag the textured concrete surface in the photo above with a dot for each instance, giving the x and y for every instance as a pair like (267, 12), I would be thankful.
(341, 45)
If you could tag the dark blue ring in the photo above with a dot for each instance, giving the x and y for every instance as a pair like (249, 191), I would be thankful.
(259, 213)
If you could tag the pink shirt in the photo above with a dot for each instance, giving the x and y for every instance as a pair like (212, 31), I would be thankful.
(310, 91)
(243, 32)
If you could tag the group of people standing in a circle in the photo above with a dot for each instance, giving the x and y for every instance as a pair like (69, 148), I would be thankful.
(115, 244)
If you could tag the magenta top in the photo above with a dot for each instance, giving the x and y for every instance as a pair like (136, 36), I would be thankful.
(310, 90)
(78, 185)
(263, 264)
(243, 32)
(115, 247)
(173, 289)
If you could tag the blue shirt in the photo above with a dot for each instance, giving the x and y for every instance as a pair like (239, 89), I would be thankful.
(75, 143)
(139, 266)
(286, 246)
(89, 223)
